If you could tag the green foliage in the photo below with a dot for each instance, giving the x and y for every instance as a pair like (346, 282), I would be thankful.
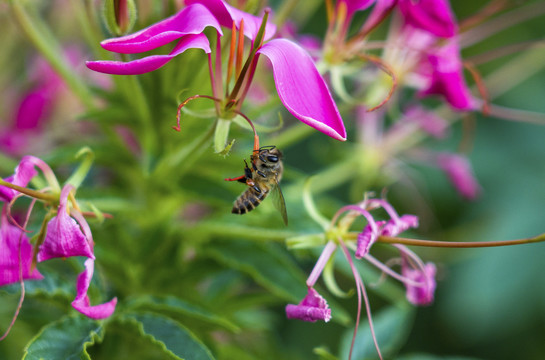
(67, 338)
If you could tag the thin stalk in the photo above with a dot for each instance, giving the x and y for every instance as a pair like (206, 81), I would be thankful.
(453, 244)
(32, 193)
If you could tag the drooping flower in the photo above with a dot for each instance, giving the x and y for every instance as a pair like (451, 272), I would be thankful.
(313, 307)
(64, 236)
(300, 87)
(434, 16)
(15, 254)
(421, 293)
(82, 304)
(459, 172)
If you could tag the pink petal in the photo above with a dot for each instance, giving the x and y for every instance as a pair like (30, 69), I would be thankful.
(24, 172)
(10, 238)
(367, 238)
(302, 89)
(459, 171)
(313, 307)
(191, 20)
(81, 302)
(434, 16)
(420, 295)
(150, 63)
(355, 5)
(394, 227)
(64, 237)
(447, 77)
(381, 9)
(225, 14)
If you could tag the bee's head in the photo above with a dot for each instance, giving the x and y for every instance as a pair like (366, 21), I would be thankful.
(270, 154)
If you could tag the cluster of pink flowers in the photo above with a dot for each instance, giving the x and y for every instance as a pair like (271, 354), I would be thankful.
(417, 277)
(67, 234)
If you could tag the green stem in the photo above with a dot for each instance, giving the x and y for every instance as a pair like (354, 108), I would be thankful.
(45, 42)
(454, 244)
(32, 193)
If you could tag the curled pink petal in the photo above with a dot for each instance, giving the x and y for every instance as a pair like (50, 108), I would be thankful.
(64, 237)
(10, 238)
(81, 302)
(422, 294)
(367, 238)
(226, 14)
(394, 227)
(302, 89)
(150, 63)
(24, 172)
(459, 171)
(434, 16)
(313, 307)
(191, 20)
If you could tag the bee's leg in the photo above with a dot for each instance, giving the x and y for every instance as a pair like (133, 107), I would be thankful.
(241, 178)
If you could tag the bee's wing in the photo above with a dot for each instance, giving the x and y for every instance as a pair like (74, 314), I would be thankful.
(278, 201)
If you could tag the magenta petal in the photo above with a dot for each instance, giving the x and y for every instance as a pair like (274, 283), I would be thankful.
(226, 14)
(64, 237)
(355, 5)
(10, 238)
(423, 294)
(191, 20)
(458, 170)
(447, 77)
(81, 302)
(394, 227)
(302, 89)
(150, 63)
(24, 172)
(367, 238)
(313, 307)
(434, 16)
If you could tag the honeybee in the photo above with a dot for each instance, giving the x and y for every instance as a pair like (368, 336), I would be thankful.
(262, 179)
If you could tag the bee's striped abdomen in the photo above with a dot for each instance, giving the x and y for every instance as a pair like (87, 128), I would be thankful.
(248, 200)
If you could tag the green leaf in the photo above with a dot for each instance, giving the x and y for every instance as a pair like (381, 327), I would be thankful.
(174, 338)
(67, 338)
(266, 264)
(176, 305)
(392, 327)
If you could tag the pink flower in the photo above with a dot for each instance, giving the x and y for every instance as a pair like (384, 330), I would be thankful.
(12, 242)
(447, 77)
(313, 307)
(423, 293)
(81, 302)
(434, 16)
(300, 86)
(459, 171)
(64, 236)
